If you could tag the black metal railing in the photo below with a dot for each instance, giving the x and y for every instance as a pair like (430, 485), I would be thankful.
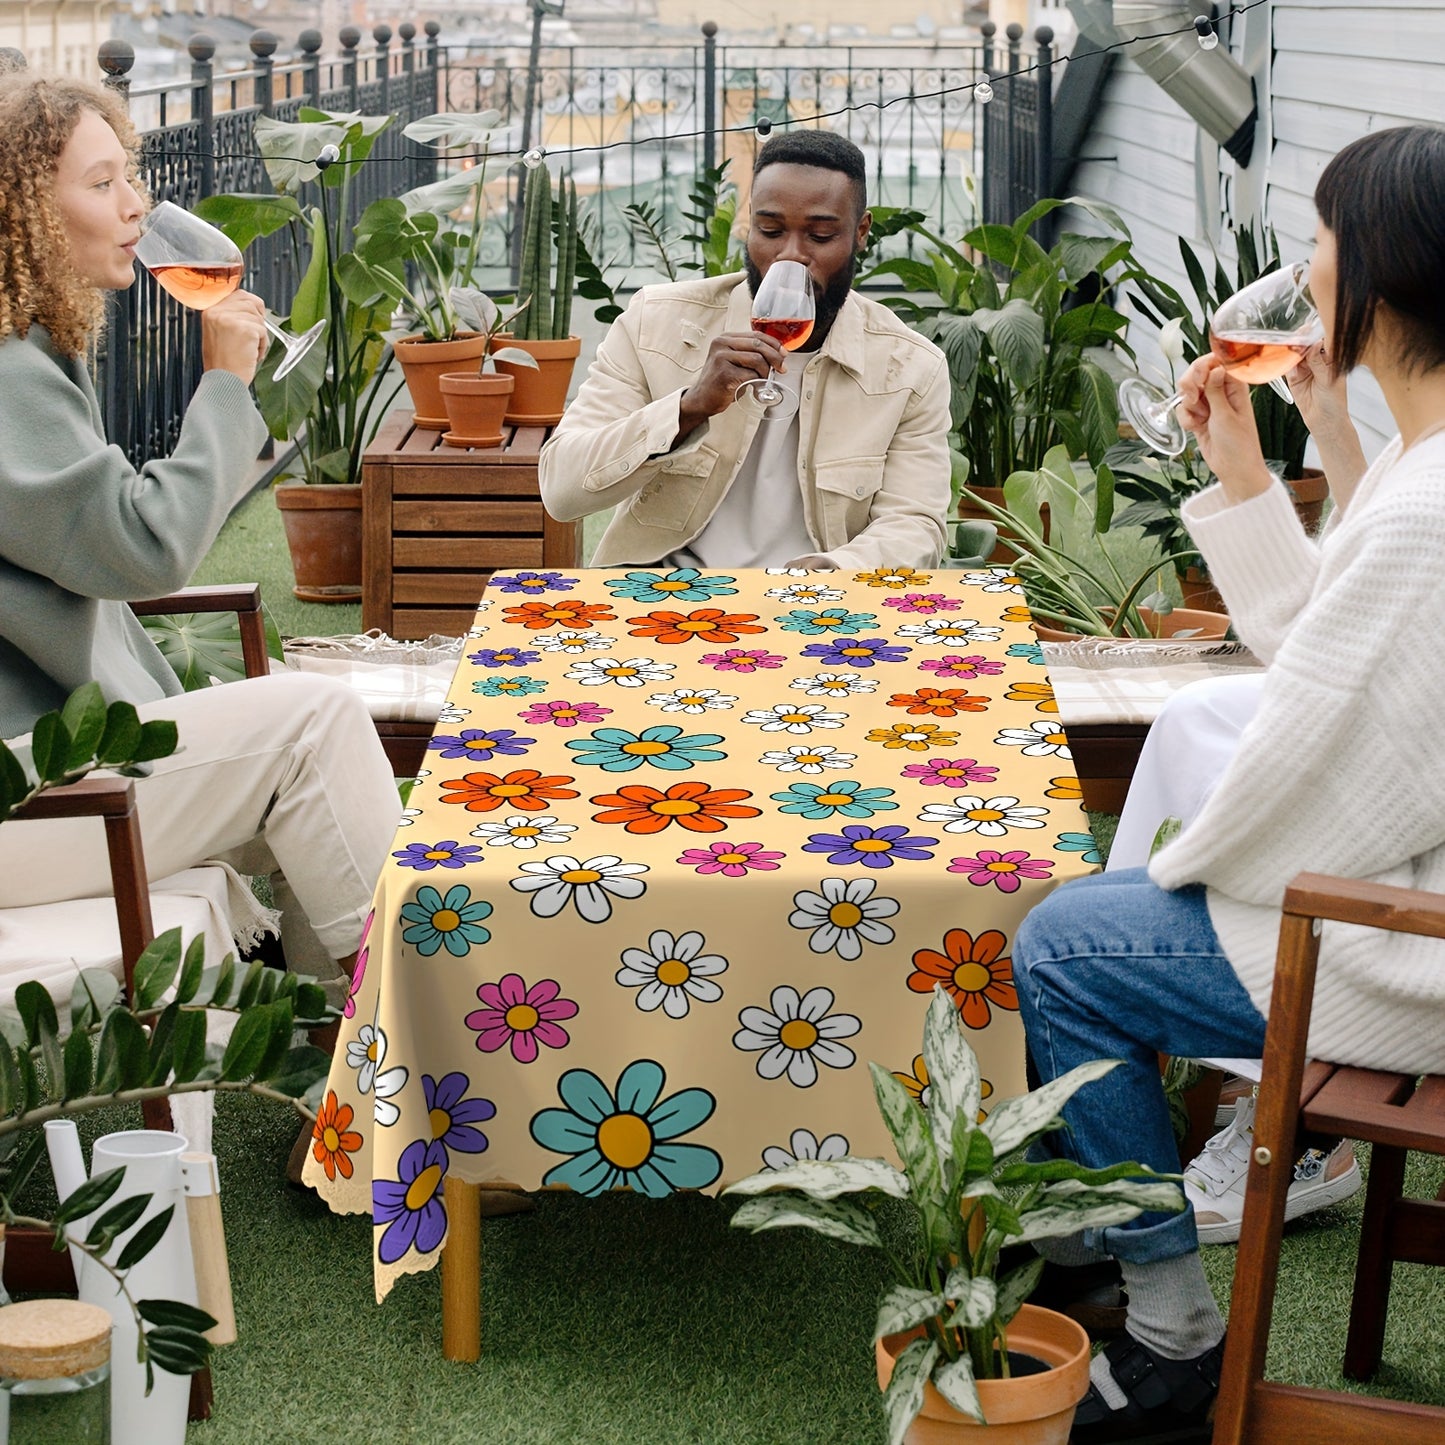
(631, 127)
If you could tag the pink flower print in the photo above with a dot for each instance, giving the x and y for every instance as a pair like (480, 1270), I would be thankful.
(1003, 870)
(564, 714)
(732, 860)
(963, 669)
(925, 602)
(950, 772)
(359, 972)
(521, 1016)
(737, 659)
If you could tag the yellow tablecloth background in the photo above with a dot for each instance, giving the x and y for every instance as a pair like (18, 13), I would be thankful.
(424, 1081)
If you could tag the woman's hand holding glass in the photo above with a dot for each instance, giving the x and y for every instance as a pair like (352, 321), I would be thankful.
(234, 336)
(1215, 406)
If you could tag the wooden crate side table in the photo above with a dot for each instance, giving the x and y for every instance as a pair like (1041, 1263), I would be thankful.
(437, 521)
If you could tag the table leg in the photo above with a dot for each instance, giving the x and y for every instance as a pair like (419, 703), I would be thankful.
(462, 1272)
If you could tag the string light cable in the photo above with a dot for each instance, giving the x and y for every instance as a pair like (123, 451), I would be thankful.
(1203, 27)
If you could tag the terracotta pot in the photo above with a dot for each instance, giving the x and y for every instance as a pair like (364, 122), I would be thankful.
(540, 395)
(1204, 626)
(323, 535)
(1309, 491)
(424, 362)
(1198, 591)
(1026, 1410)
(971, 512)
(475, 403)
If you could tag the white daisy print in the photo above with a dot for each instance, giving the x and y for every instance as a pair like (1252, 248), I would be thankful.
(794, 717)
(1037, 740)
(788, 571)
(524, 830)
(628, 672)
(807, 758)
(842, 916)
(364, 1053)
(671, 972)
(834, 684)
(385, 1082)
(588, 886)
(480, 631)
(988, 817)
(693, 700)
(453, 713)
(408, 817)
(994, 579)
(804, 1144)
(951, 630)
(571, 640)
(806, 593)
(796, 1035)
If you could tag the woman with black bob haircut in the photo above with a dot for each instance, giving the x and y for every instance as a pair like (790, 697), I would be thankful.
(279, 775)
(1340, 769)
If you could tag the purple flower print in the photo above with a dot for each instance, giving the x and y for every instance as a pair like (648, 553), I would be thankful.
(481, 747)
(503, 657)
(411, 1204)
(855, 652)
(426, 856)
(534, 583)
(872, 847)
(452, 1116)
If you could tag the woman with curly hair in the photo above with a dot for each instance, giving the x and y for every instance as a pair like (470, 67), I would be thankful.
(281, 776)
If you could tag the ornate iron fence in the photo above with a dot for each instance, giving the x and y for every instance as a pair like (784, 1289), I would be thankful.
(1018, 132)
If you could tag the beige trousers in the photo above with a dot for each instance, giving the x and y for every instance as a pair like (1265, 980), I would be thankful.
(278, 776)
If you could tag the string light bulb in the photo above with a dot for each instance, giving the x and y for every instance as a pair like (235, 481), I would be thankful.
(327, 157)
(534, 158)
(764, 128)
(983, 92)
(1204, 29)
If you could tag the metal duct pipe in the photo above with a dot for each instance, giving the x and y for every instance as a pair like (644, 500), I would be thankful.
(1210, 85)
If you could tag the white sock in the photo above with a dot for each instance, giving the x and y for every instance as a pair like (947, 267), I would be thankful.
(1104, 1382)
(1171, 1308)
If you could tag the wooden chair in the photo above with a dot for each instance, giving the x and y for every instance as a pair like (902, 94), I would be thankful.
(1393, 1112)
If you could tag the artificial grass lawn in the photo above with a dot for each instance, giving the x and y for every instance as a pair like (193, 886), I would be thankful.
(619, 1320)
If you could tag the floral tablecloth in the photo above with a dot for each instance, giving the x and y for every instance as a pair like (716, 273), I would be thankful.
(691, 850)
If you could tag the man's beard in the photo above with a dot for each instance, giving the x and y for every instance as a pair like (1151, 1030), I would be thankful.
(827, 299)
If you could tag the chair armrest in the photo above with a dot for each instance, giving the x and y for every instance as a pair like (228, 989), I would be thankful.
(91, 797)
(1375, 905)
(242, 598)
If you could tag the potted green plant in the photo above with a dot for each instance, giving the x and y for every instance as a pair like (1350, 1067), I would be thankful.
(1282, 432)
(1079, 582)
(333, 401)
(950, 1331)
(409, 248)
(1016, 323)
(545, 285)
(476, 401)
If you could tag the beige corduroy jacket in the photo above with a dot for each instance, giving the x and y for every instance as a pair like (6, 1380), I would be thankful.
(873, 463)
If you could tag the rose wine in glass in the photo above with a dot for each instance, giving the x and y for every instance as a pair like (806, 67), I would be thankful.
(784, 310)
(199, 266)
(1261, 333)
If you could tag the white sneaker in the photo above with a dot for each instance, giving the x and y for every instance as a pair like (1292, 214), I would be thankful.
(1214, 1181)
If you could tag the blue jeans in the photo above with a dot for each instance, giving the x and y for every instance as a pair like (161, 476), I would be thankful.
(1114, 967)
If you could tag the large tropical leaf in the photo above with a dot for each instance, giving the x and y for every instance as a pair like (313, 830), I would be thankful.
(1020, 1120)
(1017, 335)
(837, 1219)
(974, 1299)
(244, 218)
(454, 128)
(289, 148)
(906, 1123)
(205, 647)
(827, 1179)
(904, 1396)
(1099, 416)
(954, 1381)
(954, 1090)
(903, 1307)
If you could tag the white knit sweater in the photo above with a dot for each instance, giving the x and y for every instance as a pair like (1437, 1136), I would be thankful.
(1342, 769)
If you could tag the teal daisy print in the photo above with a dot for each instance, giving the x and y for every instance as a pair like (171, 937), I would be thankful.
(453, 922)
(509, 686)
(615, 750)
(682, 584)
(819, 800)
(1080, 843)
(627, 1139)
(837, 621)
(1030, 650)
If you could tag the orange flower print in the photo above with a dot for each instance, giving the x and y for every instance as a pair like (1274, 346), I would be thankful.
(334, 1139)
(893, 577)
(930, 702)
(1066, 788)
(694, 806)
(561, 612)
(917, 1085)
(1017, 612)
(916, 737)
(1041, 694)
(972, 972)
(523, 788)
(702, 624)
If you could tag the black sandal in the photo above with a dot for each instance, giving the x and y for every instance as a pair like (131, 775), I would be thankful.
(1168, 1402)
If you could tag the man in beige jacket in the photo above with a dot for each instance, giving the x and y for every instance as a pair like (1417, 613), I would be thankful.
(852, 471)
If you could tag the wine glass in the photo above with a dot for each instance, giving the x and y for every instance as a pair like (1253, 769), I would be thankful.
(784, 310)
(199, 266)
(1260, 333)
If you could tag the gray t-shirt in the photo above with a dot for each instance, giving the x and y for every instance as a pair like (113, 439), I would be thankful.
(760, 522)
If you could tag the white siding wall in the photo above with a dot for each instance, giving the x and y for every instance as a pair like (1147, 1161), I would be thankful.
(1339, 69)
